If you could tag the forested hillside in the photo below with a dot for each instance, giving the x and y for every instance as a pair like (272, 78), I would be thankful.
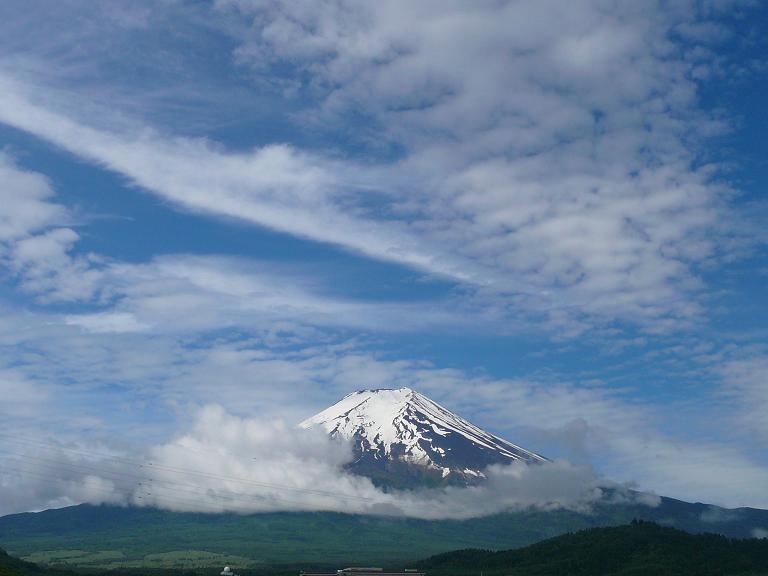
(641, 548)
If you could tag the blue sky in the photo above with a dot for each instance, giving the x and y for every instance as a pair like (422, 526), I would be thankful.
(548, 217)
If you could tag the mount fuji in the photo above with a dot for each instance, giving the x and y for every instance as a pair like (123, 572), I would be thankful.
(403, 439)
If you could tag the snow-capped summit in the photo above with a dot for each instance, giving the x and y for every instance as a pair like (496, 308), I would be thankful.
(402, 438)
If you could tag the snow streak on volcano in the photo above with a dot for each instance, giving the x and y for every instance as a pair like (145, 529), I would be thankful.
(403, 439)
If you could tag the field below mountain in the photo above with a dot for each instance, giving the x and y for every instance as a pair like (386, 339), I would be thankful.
(10, 566)
(114, 537)
(641, 548)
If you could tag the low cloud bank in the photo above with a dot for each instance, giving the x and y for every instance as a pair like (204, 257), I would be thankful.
(228, 464)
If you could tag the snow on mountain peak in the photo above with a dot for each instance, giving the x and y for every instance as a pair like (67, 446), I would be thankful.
(392, 428)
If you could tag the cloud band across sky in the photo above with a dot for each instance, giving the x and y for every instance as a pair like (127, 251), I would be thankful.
(518, 208)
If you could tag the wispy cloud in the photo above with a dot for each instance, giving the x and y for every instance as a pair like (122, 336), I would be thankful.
(745, 382)
(276, 186)
(549, 162)
(291, 375)
(553, 142)
(174, 292)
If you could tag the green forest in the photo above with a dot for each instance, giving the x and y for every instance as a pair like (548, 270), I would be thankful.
(112, 537)
(640, 548)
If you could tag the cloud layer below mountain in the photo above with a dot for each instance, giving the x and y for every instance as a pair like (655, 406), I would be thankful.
(225, 463)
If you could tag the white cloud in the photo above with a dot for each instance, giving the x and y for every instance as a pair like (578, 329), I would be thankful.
(625, 438)
(106, 322)
(34, 246)
(177, 292)
(549, 144)
(745, 384)
(21, 395)
(226, 463)
(252, 465)
(46, 267)
(37, 474)
(290, 375)
(546, 161)
(718, 472)
(562, 189)
(186, 292)
(25, 202)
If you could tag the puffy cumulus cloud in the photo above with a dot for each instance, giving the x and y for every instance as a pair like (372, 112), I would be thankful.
(401, 61)
(230, 463)
(249, 465)
(25, 201)
(46, 267)
(226, 463)
(35, 244)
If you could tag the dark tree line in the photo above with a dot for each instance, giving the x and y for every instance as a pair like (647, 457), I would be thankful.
(641, 548)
